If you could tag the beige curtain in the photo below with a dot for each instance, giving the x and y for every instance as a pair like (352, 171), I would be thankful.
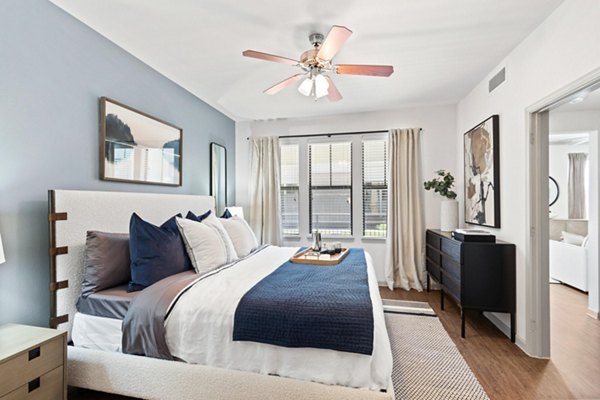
(405, 267)
(577, 190)
(264, 190)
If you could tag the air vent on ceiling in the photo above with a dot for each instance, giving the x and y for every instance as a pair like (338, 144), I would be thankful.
(497, 80)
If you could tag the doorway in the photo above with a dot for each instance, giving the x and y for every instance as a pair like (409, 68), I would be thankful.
(579, 98)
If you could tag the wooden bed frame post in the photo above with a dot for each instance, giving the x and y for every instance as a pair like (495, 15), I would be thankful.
(53, 252)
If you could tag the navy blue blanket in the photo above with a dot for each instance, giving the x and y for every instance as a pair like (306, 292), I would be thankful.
(302, 305)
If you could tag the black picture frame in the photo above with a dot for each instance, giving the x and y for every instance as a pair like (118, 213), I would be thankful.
(481, 151)
(218, 176)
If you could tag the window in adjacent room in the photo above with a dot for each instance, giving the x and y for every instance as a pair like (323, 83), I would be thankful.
(374, 187)
(330, 187)
(290, 183)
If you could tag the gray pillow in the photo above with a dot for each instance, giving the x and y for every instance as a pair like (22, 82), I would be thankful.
(106, 261)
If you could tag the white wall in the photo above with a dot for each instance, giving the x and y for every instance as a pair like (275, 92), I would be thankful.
(561, 50)
(558, 169)
(438, 148)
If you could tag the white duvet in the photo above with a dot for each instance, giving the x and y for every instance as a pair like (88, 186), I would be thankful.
(199, 330)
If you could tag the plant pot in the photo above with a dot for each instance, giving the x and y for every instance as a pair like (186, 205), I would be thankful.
(449, 215)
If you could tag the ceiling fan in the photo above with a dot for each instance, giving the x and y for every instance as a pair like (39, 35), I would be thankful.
(317, 62)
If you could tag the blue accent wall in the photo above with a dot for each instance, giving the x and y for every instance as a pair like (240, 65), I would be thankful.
(53, 70)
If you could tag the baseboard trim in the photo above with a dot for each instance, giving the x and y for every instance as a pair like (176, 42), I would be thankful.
(593, 314)
(505, 329)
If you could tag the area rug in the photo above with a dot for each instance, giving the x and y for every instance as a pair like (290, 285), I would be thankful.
(407, 307)
(427, 364)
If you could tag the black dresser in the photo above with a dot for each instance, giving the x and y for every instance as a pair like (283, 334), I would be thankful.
(477, 276)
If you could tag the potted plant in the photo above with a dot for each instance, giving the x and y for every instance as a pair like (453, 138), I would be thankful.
(443, 184)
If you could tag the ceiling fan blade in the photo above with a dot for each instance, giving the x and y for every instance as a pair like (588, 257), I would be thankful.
(371, 70)
(269, 57)
(284, 83)
(333, 93)
(335, 39)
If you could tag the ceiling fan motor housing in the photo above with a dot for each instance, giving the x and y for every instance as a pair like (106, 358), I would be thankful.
(309, 59)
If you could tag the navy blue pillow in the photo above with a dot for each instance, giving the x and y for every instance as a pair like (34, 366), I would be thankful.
(156, 252)
(199, 218)
(226, 214)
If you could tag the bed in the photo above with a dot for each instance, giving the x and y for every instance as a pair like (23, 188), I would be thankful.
(230, 369)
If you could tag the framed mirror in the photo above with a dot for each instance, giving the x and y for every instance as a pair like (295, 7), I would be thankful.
(553, 192)
(218, 176)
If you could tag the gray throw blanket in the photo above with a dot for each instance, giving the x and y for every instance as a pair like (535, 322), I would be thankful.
(144, 324)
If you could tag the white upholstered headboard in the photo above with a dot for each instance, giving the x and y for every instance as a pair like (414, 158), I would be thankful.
(73, 212)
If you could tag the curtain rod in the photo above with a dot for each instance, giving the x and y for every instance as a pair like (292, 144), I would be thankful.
(332, 134)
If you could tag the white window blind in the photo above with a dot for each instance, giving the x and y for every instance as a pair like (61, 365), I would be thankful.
(290, 183)
(375, 187)
(330, 188)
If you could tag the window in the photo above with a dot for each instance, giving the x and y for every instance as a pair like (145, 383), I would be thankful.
(338, 185)
(374, 187)
(290, 184)
(330, 188)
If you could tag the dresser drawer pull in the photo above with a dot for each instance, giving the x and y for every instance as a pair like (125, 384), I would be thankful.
(34, 353)
(34, 384)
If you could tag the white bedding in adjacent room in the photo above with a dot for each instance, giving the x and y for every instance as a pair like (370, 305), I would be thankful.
(200, 328)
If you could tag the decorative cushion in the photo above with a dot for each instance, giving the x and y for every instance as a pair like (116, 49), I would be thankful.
(156, 252)
(226, 214)
(241, 235)
(572, 238)
(207, 243)
(199, 218)
(106, 261)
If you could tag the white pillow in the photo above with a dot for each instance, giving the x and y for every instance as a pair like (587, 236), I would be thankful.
(572, 238)
(241, 235)
(207, 244)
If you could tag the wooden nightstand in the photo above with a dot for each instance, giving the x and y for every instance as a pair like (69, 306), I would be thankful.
(32, 363)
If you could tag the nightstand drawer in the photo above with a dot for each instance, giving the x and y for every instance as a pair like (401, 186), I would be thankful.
(30, 364)
(46, 387)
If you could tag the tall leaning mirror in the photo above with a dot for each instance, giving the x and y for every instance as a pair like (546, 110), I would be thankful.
(218, 176)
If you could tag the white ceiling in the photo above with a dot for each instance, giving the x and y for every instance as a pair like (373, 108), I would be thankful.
(439, 48)
(590, 102)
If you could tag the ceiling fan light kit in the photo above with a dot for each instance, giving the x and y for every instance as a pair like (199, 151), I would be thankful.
(316, 63)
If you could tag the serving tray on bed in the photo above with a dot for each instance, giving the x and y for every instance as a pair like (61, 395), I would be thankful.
(309, 257)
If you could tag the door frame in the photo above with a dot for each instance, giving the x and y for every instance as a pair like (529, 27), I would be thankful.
(537, 254)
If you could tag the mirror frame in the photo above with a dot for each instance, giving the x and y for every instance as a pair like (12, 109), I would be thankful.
(214, 147)
(552, 180)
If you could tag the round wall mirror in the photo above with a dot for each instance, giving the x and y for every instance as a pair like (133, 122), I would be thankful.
(553, 191)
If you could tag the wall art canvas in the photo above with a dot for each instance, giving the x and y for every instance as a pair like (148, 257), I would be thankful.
(482, 174)
(136, 147)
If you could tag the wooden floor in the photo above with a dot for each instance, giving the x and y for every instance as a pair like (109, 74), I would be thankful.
(505, 372)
